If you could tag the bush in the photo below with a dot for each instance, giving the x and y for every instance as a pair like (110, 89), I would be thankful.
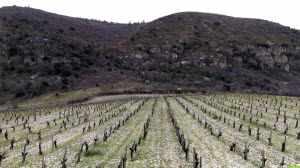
(227, 87)
(65, 81)
(132, 39)
(13, 51)
(20, 93)
(267, 80)
(64, 87)
(4, 88)
(248, 84)
(72, 28)
(216, 24)
(46, 84)
(46, 58)
(67, 73)
(58, 68)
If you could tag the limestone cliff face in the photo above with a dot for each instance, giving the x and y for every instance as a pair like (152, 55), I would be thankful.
(205, 40)
(261, 57)
(280, 57)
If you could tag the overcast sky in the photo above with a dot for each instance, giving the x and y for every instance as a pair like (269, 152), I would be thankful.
(285, 12)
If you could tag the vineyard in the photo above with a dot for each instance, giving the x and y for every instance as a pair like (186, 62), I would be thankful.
(216, 130)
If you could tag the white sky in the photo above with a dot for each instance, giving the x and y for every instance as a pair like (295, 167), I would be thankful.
(285, 12)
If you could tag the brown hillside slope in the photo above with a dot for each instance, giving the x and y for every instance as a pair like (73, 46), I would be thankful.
(42, 52)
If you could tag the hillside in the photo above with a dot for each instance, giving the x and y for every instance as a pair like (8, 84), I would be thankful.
(38, 23)
(215, 52)
(41, 52)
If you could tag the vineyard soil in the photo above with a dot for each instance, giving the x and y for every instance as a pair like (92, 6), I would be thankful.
(210, 130)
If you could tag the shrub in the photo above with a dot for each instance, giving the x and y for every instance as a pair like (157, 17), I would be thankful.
(267, 80)
(72, 29)
(132, 39)
(67, 73)
(65, 81)
(58, 68)
(46, 58)
(216, 24)
(13, 51)
(44, 83)
(64, 87)
(20, 93)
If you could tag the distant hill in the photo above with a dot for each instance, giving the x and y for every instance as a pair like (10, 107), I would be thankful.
(41, 52)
